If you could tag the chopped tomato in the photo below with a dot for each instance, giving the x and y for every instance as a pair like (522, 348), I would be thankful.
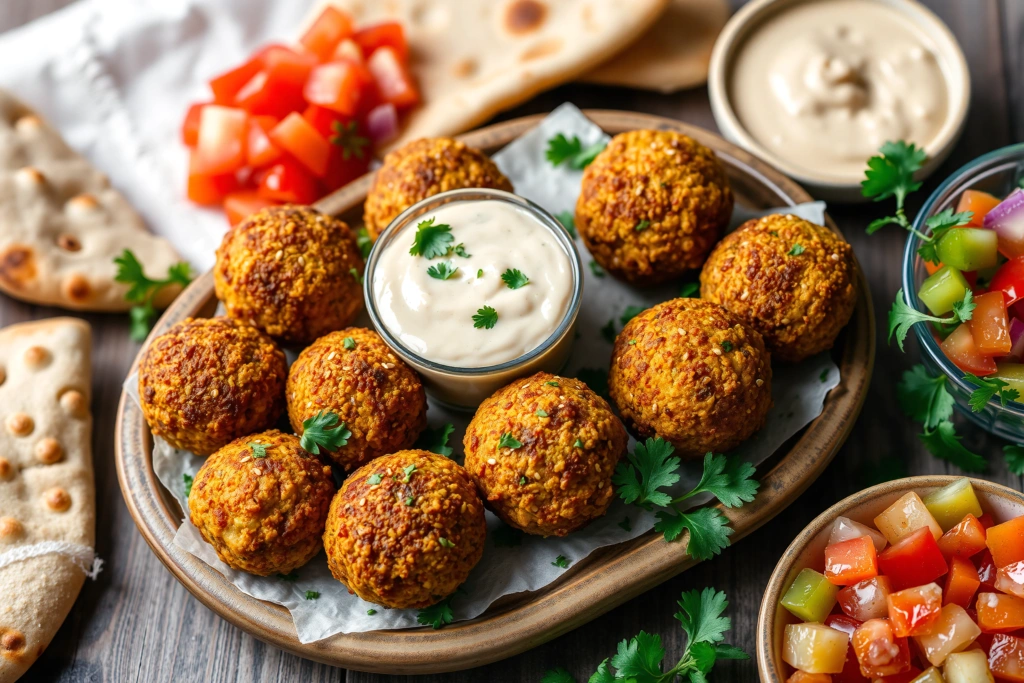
(959, 347)
(913, 561)
(323, 120)
(998, 613)
(329, 29)
(394, 82)
(851, 561)
(207, 189)
(276, 90)
(966, 539)
(388, 34)
(977, 202)
(1006, 542)
(986, 569)
(342, 171)
(990, 327)
(1009, 280)
(190, 126)
(340, 86)
(913, 612)
(350, 50)
(289, 181)
(962, 582)
(1006, 658)
(226, 86)
(879, 651)
(261, 151)
(296, 136)
(220, 145)
(240, 205)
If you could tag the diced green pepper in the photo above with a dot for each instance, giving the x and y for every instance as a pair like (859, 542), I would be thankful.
(811, 597)
(951, 503)
(942, 289)
(969, 249)
(1013, 375)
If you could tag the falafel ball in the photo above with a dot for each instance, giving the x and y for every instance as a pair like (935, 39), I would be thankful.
(652, 205)
(262, 502)
(355, 375)
(422, 169)
(558, 477)
(692, 373)
(405, 530)
(208, 381)
(789, 279)
(291, 271)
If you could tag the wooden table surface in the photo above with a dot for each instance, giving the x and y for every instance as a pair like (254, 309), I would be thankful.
(136, 623)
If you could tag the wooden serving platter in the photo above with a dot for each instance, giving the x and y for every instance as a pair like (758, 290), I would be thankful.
(605, 579)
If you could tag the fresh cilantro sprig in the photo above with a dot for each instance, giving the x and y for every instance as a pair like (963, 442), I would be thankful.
(563, 150)
(142, 290)
(514, 278)
(640, 659)
(927, 400)
(651, 467)
(437, 615)
(485, 318)
(989, 388)
(431, 240)
(436, 440)
(364, 242)
(902, 317)
(324, 430)
(442, 270)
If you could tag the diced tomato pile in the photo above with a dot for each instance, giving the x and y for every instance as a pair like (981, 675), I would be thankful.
(987, 257)
(295, 123)
(932, 592)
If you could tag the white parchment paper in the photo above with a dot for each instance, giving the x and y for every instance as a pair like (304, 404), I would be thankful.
(798, 393)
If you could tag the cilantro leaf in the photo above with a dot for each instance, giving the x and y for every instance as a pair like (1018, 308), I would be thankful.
(708, 527)
(431, 241)
(701, 616)
(509, 441)
(324, 430)
(364, 242)
(445, 543)
(603, 675)
(348, 343)
(188, 484)
(442, 270)
(259, 450)
(640, 658)
(436, 440)
(437, 615)
(558, 675)
(891, 174)
(562, 562)
(630, 313)
(727, 479)
(568, 222)
(514, 278)
(374, 479)
(459, 250)
(642, 225)
(924, 398)
(656, 466)
(408, 472)
(943, 443)
(989, 387)
(561, 150)
(691, 290)
(795, 250)
(1014, 459)
(142, 289)
(485, 318)
(902, 317)
(506, 537)
(596, 269)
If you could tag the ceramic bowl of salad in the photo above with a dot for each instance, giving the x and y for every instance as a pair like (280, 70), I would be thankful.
(984, 256)
(918, 580)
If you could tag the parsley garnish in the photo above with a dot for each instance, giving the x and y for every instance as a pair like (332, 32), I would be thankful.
(944, 443)
(626, 524)
(374, 479)
(608, 331)
(727, 346)
(568, 222)
(1014, 459)
(408, 472)
(290, 577)
(437, 615)
(506, 537)
(632, 342)
(523, 480)
(259, 450)
(558, 675)
(795, 250)
(562, 562)
(690, 290)
(509, 441)
(485, 318)
(514, 278)
(348, 343)
(188, 484)
(572, 152)
(989, 387)
(552, 383)
(371, 611)
(442, 270)
(364, 242)
(431, 240)
(578, 443)
(927, 400)
(596, 269)
(410, 501)
(541, 413)
(651, 466)
(902, 317)
(642, 225)
(459, 250)
(630, 313)
(312, 595)
(436, 440)
(346, 136)
(445, 543)
(323, 430)
(142, 290)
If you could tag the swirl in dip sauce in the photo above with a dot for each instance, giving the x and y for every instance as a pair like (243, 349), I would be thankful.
(823, 84)
(434, 317)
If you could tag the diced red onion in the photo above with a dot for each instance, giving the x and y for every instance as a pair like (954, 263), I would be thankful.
(1007, 219)
(382, 123)
(1016, 339)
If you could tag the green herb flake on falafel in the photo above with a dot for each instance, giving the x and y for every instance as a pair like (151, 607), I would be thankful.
(523, 480)
(259, 450)
(541, 413)
(727, 346)
(795, 250)
(485, 318)
(348, 343)
(445, 543)
(578, 443)
(408, 472)
(509, 441)
(551, 383)
(374, 479)
(642, 225)
(410, 501)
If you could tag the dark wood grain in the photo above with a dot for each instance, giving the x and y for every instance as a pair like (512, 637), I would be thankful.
(138, 624)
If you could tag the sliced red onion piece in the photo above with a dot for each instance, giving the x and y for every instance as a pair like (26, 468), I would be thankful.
(382, 123)
(1007, 219)
(1016, 339)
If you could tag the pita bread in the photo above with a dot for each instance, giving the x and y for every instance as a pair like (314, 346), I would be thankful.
(673, 54)
(61, 224)
(46, 483)
(474, 58)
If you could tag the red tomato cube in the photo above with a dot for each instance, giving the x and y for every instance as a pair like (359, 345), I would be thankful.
(962, 582)
(296, 136)
(990, 327)
(261, 151)
(986, 569)
(1010, 579)
(394, 82)
(868, 599)
(207, 189)
(851, 561)
(879, 651)
(1006, 657)
(329, 29)
(1006, 542)
(220, 144)
(913, 612)
(914, 561)
(226, 86)
(959, 347)
(288, 181)
(388, 34)
(965, 539)
(341, 171)
(339, 86)
(190, 126)
(276, 90)
(998, 613)
(240, 205)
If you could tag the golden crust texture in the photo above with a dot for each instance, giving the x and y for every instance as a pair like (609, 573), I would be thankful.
(559, 479)
(263, 515)
(291, 271)
(799, 302)
(405, 530)
(208, 381)
(378, 397)
(692, 373)
(422, 169)
(652, 205)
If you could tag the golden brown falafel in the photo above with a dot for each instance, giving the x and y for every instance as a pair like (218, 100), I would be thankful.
(559, 478)
(291, 271)
(789, 279)
(652, 205)
(207, 381)
(692, 373)
(354, 374)
(405, 530)
(422, 169)
(262, 502)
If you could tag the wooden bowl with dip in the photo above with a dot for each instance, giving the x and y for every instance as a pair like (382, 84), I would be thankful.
(606, 578)
(815, 88)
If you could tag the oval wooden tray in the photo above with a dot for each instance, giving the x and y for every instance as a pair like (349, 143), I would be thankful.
(605, 579)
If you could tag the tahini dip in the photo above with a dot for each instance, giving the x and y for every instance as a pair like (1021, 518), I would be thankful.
(434, 317)
(823, 84)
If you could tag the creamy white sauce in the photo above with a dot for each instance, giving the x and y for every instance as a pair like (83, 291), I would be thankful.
(434, 318)
(823, 84)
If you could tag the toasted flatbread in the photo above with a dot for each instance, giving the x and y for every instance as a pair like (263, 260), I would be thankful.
(47, 498)
(62, 224)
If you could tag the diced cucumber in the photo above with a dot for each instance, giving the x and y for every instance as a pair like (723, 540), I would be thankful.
(811, 597)
(1012, 374)
(969, 248)
(951, 503)
(942, 289)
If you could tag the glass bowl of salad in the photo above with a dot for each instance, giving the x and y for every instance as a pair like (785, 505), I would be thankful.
(985, 257)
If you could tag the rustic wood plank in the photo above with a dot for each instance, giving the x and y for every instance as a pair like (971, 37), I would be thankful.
(1012, 17)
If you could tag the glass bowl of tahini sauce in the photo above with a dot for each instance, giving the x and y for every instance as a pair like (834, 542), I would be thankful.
(474, 288)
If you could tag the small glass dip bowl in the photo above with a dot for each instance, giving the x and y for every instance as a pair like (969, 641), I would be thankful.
(997, 173)
(464, 388)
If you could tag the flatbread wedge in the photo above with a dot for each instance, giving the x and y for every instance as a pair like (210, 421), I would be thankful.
(62, 224)
(47, 497)
(475, 58)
